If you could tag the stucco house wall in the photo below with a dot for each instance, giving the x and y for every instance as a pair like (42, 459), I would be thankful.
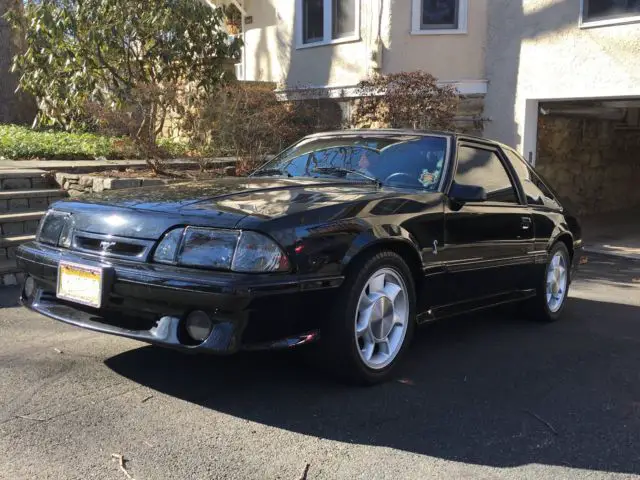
(450, 57)
(272, 52)
(536, 50)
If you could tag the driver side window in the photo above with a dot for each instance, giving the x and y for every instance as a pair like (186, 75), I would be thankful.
(483, 168)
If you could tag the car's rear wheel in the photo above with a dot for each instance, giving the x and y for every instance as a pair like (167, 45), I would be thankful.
(553, 289)
(373, 321)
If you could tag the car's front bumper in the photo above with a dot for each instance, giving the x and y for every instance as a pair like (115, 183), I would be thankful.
(150, 302)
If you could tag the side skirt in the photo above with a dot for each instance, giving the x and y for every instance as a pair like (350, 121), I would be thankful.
(453, 309)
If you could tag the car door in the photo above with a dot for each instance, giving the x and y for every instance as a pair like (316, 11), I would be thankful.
(486, 243)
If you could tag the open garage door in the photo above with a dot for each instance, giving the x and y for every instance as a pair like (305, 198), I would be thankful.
(590, 152)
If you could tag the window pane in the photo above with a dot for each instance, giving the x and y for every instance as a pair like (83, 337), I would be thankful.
(537, 192)
(483, 168)
(312, 21)
(607, 9)
(438, 14)
(536, 195)
(344, 18)
(402, 161)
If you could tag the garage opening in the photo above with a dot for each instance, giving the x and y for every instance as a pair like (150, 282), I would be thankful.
(590, 152)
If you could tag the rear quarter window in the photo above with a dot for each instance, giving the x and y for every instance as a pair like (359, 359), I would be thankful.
(536, 191)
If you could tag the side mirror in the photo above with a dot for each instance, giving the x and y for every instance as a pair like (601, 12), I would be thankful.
(461, 193)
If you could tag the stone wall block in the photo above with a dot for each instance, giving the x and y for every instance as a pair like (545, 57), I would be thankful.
(16, 204)
(85, 181)
(16, 184)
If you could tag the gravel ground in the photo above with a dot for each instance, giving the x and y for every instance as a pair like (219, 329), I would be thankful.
(484, 396)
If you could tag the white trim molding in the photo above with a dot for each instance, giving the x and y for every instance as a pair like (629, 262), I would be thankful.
(605, 22)
(328, 24)
(312, 92)
(416, 24)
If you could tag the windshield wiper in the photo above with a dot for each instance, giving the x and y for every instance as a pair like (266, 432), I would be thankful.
(346, 171)
(271, 171)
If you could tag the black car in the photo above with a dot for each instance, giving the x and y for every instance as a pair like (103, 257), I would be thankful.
(347, 240)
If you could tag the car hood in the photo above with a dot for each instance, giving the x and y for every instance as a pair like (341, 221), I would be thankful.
(148, 212)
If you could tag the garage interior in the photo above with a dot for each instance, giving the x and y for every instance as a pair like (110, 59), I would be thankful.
(589, 150)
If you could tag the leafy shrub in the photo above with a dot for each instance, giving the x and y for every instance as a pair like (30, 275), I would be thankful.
(248, 121)
(22, 143)
(404, 100)
(81, 52)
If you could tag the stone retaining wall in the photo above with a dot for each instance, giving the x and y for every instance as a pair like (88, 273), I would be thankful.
(593, 163)
(76, 184)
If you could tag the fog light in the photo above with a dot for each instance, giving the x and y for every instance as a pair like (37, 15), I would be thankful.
(29, 287)
(199, 325)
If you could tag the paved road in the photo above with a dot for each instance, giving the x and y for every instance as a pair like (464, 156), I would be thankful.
(490, 396)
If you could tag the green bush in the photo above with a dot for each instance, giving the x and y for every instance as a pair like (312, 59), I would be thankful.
(20, 143)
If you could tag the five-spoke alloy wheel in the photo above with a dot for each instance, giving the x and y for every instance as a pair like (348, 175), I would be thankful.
(557, 281)
(554, 287)
(382, 318)
(373, 319)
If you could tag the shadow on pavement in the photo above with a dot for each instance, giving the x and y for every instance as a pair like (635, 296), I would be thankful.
(477, 389)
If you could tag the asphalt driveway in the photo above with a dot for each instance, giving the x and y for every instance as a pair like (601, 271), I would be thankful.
(484, 396)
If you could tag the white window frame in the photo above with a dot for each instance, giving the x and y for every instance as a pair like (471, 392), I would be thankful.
(328, 27)
(416, 23)
(584, 23)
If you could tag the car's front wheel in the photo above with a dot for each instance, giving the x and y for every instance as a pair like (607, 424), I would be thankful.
(373, 321)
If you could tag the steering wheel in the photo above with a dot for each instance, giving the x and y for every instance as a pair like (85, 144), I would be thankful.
(411, 180)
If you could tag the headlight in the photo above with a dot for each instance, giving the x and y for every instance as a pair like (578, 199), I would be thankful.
(208, 248)
(233, 250)
(257, 253)
(55, 228)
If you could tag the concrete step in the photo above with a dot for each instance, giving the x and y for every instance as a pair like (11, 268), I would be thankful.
(15, 201)
(24, 179)
(12, 224)
(8, 266)
(10, 275)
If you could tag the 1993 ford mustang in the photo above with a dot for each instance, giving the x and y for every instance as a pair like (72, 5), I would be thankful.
(349, 239)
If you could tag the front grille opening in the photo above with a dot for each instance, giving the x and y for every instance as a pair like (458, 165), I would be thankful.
(109, 247)
(136, 321)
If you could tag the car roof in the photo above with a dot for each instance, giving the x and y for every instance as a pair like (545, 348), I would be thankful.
(400, 131)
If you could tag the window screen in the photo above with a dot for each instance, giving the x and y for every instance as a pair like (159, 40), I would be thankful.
(440, 14)
(344, 18)
(312, 21)
(610, 9)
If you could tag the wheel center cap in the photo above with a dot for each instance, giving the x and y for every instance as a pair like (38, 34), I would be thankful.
(382, 318)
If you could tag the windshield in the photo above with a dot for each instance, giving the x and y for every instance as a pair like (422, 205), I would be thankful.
(412, 161)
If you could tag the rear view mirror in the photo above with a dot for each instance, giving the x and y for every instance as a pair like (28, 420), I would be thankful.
(461, 193)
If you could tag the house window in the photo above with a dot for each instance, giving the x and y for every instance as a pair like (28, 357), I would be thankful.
(313, 20)
(343, 18)
(433, 17)
(610, 11)
(327, 21)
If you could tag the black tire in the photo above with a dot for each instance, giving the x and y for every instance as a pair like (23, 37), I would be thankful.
(539, 308)
(338, 348)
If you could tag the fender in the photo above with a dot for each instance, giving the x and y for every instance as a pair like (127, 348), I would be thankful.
(562, 230)
(378, 235)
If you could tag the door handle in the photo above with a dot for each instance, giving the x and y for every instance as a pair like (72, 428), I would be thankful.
(526, 223)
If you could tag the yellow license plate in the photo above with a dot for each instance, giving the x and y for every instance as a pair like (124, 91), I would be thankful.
(80, 284)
